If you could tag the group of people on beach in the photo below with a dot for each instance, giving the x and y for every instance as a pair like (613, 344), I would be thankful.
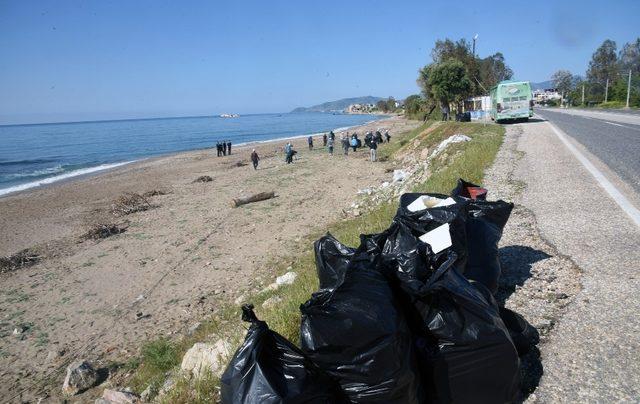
(371, 140)
(223, 148)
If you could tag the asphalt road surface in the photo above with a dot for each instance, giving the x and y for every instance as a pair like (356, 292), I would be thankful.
(612, 137)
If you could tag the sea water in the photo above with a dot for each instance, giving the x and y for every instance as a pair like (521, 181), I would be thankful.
(35, 155)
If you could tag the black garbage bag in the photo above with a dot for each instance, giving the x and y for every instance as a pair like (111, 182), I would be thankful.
(357, 333)
(415, 257)
(269, 369)
(523, 334)
(465, 350)
(484, 225)
(332, 259)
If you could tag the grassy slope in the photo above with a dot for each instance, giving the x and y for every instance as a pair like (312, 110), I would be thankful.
(467, 160)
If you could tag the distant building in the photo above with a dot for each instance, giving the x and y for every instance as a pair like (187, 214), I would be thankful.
(547, 94)
(359, 109)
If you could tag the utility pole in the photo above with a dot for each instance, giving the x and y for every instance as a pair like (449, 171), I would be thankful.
(606, 90)
(583, 95)
(628, 89)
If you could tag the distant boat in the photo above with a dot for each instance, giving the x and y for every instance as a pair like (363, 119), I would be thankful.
(229, 116)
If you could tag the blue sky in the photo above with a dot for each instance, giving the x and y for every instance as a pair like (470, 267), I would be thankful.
(84, 60)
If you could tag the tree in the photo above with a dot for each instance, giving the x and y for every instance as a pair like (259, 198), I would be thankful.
(382, 105)
(563, 80)
(391, 104)
(603, 64)
(493, 70)
(446, 81)
(629, 58)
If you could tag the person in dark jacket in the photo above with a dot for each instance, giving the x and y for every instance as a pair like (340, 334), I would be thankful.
(373, 147)
(387, 136)
(219, 148)
(229, 147)
(324, 139)
(224, 148)
(255, 159)
(310, 141)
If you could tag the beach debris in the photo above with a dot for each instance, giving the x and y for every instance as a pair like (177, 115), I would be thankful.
(21, 259)
(118, 397)
(203, 358)
(155, 192)
(140, 316)
(286, 279)
(130, 203)
(103, 230)
(80, 377)
(272, 301)
(203, 178)
(240, 163)
(399, 175)
(262, 196)
(458, 138)
(365, 191)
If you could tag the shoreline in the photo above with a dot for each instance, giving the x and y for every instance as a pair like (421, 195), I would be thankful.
(94, 171)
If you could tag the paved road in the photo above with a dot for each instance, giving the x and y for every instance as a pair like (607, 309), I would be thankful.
(612, 138)
(593, 351)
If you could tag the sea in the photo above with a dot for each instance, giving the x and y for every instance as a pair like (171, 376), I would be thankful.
(39, 154)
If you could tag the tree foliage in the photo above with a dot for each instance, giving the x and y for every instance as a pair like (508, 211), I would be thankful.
(563, 81)
(604, 63)
(629, 58)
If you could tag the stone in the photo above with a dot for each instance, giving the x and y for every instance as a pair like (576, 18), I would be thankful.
(80, 377)
(286, 279)
(399, 175)
(193, 328)
(272, 301)
(119, 397)
(424, 154)
(202, 358)
(240, 299)
(270, 288)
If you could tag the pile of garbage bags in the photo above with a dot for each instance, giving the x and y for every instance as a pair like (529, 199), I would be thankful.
(407, 317)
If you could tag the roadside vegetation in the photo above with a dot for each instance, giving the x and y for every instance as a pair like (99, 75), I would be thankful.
(160, 357)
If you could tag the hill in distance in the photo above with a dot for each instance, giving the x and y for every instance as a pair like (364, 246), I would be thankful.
(339, 105)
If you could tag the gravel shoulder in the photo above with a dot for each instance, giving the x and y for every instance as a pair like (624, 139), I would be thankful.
(570, 267)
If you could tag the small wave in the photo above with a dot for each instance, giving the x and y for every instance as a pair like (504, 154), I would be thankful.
(61, 177)
(37, 173)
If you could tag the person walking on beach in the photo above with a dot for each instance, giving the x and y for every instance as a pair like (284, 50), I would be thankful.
(332, 136)
(345, 144)
(219, 148)
(373, 147)
(330, 145)
(310, 141)
(229, 147)
(224, 148)
(354, 141)
(324, 139)
(288, 151)
(387, 136)
(255, 159)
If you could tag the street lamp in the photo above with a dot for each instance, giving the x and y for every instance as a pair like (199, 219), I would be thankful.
(475, 37)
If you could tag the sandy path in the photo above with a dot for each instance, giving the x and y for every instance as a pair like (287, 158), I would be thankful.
(183, 257)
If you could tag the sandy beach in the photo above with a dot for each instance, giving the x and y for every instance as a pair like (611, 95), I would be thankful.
(174, 264)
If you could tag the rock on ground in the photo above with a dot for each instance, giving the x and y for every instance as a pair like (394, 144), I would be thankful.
(203, 358)
(80, 376)
(286, 279)
(272, 301)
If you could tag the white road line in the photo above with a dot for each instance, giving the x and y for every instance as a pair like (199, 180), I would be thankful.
(613, 192)
(613, 123)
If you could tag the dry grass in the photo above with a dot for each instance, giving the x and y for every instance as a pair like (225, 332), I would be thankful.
(103, 230)
(21, 259)
(155, 192)
(130, 203)
(203, 178)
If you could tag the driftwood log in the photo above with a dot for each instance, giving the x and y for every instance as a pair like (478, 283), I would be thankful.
(262, 196)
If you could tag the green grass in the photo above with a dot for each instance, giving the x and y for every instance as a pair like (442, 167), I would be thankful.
(467, 160)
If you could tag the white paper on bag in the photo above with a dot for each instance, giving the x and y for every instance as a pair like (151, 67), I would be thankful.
(438, 238)
(425, 201)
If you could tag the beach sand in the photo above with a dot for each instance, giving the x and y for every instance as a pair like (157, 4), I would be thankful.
(176, 262)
